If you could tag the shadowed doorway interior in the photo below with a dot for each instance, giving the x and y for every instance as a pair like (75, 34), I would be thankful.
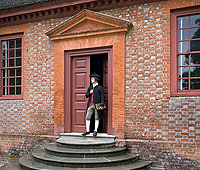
(98, 64)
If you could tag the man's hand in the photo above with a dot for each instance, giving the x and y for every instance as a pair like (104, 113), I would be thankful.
(101, 108)
(91, 91)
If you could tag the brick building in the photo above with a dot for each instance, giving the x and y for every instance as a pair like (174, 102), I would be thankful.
(148, 55)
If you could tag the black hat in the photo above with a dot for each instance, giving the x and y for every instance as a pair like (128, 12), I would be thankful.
(96, 76)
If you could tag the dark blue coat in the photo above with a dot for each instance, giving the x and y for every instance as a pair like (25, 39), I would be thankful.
(98, 97)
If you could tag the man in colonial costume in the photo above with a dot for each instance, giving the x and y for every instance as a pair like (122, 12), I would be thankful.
(95, 93)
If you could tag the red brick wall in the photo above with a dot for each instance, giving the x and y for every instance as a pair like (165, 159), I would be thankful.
(35, 112)
(34, 115)
(22, 122)
(159, 127)
(14, 146)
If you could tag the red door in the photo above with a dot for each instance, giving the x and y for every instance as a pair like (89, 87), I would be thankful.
(80, 83)
(105, 86)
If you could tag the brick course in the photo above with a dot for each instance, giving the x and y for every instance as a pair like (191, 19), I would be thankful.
(13, 147)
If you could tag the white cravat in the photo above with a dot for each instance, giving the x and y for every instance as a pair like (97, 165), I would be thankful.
(94, 85)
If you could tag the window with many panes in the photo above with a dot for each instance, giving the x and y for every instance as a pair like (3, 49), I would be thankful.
(185, 56)
(11, 67)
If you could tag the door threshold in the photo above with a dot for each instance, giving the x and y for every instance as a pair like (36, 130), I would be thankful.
(79, 134)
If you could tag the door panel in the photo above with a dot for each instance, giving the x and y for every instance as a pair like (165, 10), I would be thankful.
(80, 83)
(105, 86)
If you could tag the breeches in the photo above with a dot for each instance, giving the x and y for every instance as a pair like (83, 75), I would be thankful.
(90, 110)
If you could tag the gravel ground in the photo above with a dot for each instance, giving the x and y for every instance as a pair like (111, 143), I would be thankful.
(14, 165)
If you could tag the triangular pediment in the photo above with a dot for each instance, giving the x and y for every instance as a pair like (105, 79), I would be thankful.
(87, 23)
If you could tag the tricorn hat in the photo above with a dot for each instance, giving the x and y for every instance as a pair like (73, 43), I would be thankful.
(96, 76)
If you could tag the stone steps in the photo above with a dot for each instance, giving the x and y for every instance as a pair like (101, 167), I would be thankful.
(54, 149)
(77, 134)
(74, 152)
(41, 156)
(29, 164)
(85, 142)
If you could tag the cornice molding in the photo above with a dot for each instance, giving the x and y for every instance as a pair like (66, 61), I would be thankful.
(60, 8)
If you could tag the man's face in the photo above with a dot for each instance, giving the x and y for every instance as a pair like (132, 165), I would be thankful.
(92, 80)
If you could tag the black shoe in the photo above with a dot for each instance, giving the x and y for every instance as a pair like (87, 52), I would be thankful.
(95, 133)
(85, 133)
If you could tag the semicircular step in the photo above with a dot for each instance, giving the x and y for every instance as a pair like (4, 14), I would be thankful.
(85, 143)
(43, 157)
(54, 149)
(27, 163)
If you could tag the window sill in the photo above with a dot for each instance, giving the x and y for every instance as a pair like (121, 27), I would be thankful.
(185, 93)
(11, 98)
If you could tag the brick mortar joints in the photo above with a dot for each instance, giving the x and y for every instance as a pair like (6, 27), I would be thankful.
(158, 141)
(28, 135)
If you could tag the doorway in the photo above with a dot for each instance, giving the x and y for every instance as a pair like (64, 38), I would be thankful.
(98, 64)
(78, 67)
(82, 67)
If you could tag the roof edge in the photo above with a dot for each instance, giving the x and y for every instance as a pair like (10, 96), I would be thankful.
(50, 10)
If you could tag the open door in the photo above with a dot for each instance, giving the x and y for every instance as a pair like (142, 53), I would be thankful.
(78, 67)
(105, 86)
(80, 83)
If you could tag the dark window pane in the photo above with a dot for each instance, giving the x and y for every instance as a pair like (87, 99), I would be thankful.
(5, 82)
(18, 71)
(5, 73)
(183, 72)
(183, 60)
(12, 72)
(18, 90)
(18, 43)
(11, 90)
(11, 53)
(195, 71)
(18, 81)
(18, 53)
(194, 20)
(12, 81)
(4, 45)
(194, 33)
(183, 34)
(5, 54)
(18, 62)
(11, 43)
(183, 84)
(183, 22)
(5, 90)
(194, 84)
(183, 47)
(195, 59)
(11, 63)
(5, 63)
(195, 45)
